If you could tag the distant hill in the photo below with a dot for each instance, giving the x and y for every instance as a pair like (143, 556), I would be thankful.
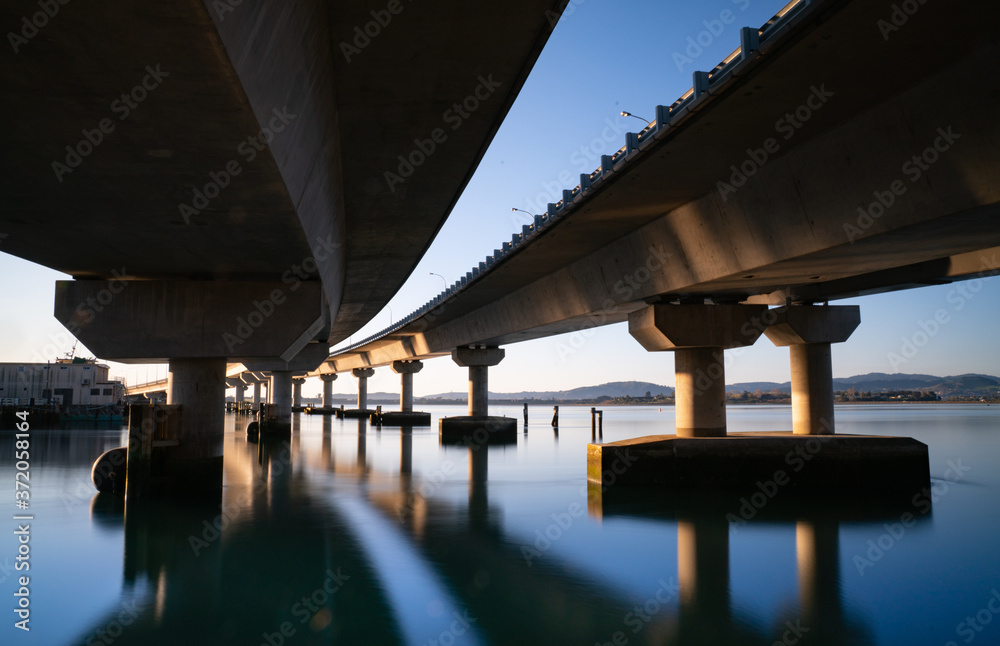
(958, 385)
(954, 386)
(609, 390)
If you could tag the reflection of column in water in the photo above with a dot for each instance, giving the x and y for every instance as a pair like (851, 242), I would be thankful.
(296, 437)
(478, 473)
(406, 450)
(326, 452)
(276, 464)
(703, 577)
(817, 548)
(179, 578)
(362, 444)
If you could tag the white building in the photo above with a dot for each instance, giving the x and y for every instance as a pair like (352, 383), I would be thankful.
(77, 382)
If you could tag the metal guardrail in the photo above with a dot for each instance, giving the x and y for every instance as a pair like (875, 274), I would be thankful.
(752, 43)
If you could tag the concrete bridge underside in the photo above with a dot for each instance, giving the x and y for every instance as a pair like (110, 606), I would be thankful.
(247, 145)
(892, 120)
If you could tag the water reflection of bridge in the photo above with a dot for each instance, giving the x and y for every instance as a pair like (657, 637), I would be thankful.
(417, 563)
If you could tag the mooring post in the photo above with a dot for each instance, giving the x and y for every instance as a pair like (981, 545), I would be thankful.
(525, 413)
(600, 424)
(555, 416)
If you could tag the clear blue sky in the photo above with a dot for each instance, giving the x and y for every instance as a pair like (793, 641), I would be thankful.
(605, 56)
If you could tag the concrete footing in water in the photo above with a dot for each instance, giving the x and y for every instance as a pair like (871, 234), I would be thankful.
(477, 430)
(321, 411)
(401, 418)
(745, 459)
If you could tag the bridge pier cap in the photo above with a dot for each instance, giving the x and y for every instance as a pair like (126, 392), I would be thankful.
(664, 327)
(407, 367)
(808, 332)
(698, 334)
(469, 357)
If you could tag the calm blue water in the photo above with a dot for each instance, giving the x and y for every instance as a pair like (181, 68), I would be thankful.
(353, 535)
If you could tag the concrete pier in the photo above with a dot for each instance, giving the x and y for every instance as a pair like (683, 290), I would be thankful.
(406, 414)
(198, 386)
(297, 392)
(328, 380)
(478, 426)
(363, 374)
(256, 396)
(241, 390)
(280, 391)
(808, 332)
(698, 335)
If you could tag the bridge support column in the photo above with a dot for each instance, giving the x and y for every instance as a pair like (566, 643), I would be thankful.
(406, 416)
(198, 386)
(297, 392)
(256, 396)
(406, 370)
(478, 427)
(808, 331)
(478, 361)
(241, 390)
(328, 389)
(363, 374)
(280, 390)
(698, 335)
